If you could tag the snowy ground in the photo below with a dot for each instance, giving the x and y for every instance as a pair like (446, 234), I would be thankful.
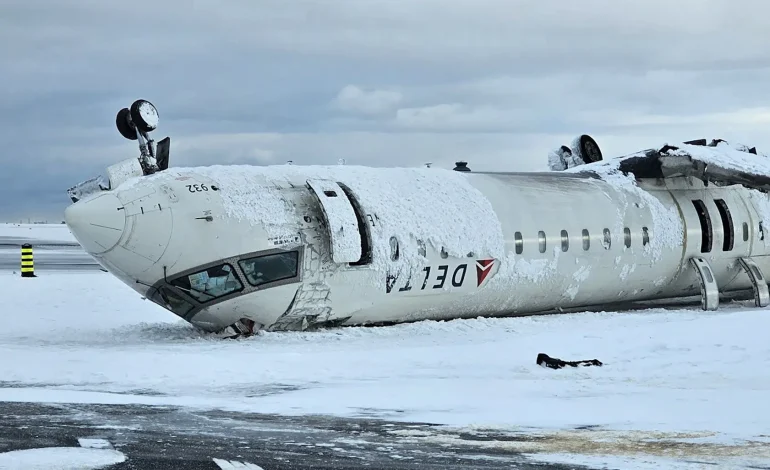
(55, 458)
(677, 386)
(52, 232)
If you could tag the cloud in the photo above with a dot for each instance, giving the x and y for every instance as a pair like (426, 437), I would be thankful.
(495, 82)
(355, 100)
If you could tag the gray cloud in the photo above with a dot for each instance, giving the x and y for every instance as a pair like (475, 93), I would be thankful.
(377, 82)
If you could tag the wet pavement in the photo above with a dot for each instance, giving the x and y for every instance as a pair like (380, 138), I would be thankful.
(162, 438)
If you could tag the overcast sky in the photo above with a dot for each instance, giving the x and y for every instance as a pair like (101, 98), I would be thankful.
(377, 82)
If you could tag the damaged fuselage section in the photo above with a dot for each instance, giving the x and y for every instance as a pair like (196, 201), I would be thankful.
(716, 162)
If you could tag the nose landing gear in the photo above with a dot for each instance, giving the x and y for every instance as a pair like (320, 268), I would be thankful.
(136, 123)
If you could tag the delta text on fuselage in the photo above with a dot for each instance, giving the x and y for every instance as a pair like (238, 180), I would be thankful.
(235, 249)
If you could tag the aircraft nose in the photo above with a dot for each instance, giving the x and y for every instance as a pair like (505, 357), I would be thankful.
(97, 223)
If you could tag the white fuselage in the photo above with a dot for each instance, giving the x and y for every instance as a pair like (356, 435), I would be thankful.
(431, 244)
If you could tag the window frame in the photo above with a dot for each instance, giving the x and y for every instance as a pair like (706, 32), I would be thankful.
(232, 261)
(277, 281)
(210, 298)
(586, 236)
(606, 238)
(564, 235)
(158, 294)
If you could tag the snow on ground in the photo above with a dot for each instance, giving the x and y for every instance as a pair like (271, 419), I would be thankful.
(677, 384)
(60, 458)
(57, 232)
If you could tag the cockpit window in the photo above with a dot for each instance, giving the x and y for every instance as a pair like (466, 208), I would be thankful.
(270, 268)
(210, 283)
(167, 298)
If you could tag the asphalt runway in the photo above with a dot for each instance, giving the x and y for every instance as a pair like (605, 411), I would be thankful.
(48, 255)
(7, 242)
(163, 438)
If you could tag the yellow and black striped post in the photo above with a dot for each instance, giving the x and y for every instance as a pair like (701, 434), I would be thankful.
(27, 263)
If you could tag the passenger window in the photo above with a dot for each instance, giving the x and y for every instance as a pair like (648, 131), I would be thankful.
(607, 242)
(586, 240)
(421, 248)
(519, 242)
(541, 241)
(270, 268)
(627, 237)
(394, 250)
(564, 240)
(745, 232)
(444, 253)
(211, 283)
(645, 236)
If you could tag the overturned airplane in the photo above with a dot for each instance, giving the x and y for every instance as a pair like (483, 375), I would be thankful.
(235, 249)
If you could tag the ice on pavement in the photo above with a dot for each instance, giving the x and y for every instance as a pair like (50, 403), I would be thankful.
(60, 458)
(86, 337)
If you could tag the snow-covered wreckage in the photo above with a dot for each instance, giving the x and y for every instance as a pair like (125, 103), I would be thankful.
(242, 248)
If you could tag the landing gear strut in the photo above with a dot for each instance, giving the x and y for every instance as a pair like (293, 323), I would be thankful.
(136, 123)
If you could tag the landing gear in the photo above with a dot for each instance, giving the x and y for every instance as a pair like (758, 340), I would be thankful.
(144, 115)
(138, 120)
(586, 148)
(135, 123)
(583, 150)
(124, 124)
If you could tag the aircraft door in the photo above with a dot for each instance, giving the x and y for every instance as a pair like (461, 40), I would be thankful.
(343, 224)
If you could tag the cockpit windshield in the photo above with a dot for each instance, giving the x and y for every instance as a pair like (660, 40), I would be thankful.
(270, 268)
(167, 298)
(211, 283)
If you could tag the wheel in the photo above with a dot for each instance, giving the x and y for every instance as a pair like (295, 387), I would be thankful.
(587, 149)
(125, 127)
(144, 115)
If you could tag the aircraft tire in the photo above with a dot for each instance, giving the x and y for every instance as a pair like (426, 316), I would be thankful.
(124, 127)
(138, 110)
(587, 149)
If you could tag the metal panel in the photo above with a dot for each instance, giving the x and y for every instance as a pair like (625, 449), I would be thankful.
(149, 235)
(341, 220)
(123, 171)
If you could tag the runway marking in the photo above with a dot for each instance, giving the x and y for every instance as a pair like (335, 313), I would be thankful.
(233, 465)
(94, 443)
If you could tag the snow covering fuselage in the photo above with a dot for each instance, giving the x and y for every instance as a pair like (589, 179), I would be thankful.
(295, 247)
